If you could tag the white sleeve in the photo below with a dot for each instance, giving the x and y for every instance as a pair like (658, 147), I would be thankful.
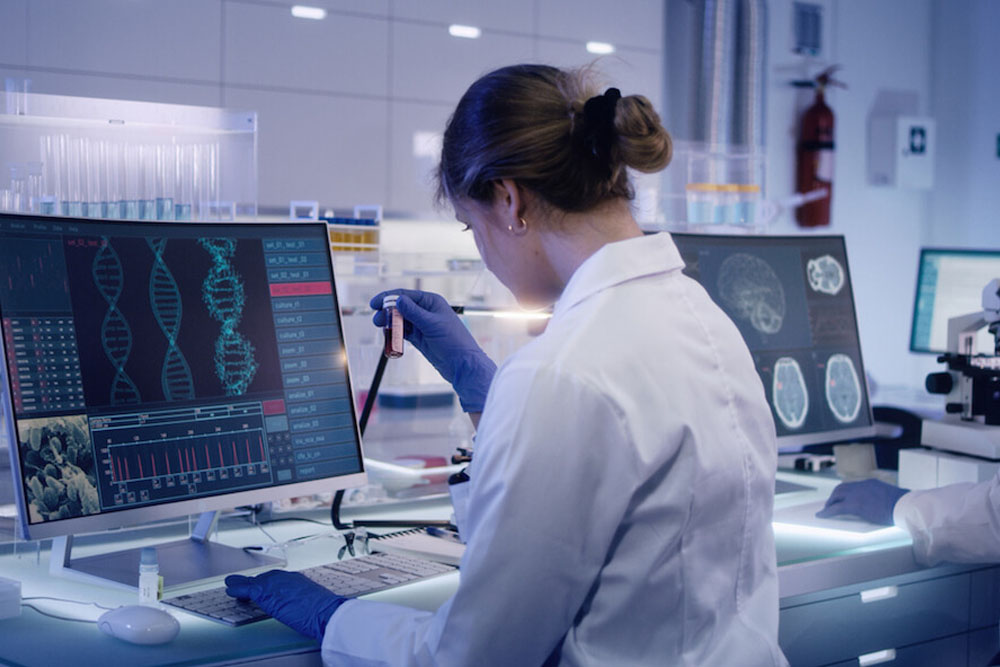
(959, 523)
(548, 490)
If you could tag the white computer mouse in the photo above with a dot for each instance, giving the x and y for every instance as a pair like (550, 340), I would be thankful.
(139, 624)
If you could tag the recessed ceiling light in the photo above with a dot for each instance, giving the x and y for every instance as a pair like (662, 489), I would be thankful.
(466, 31)
(306, 12)
(600, 48)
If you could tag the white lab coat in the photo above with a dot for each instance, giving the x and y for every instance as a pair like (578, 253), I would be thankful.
(620, 497)
(959, 523)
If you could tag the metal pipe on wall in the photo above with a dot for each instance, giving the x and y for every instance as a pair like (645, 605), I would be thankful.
(715, 71)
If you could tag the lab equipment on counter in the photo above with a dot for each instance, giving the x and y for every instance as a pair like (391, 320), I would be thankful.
(150, 582)
(154, 370)
(965, 442)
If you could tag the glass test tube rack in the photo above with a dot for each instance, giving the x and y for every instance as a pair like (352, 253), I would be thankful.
(85, 157)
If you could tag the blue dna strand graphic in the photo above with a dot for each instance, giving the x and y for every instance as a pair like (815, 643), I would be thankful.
(116, 336)
(224, 295)
(165, 298)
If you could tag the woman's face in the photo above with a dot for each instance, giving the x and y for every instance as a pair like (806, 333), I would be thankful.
(515, 258)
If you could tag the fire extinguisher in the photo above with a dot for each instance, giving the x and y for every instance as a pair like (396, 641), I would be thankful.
(814, 155)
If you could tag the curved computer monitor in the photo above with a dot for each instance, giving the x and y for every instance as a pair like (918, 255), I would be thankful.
(791, 299)
(950, 283)
(154, 370)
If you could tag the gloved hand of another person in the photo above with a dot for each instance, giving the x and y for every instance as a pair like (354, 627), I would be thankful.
(433, 328)
(870, 499)
(290, 597)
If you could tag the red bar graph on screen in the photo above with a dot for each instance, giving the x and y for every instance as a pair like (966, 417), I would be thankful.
(215, 453)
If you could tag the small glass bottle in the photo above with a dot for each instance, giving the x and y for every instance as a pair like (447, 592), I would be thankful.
(149, 577)
(393, 328)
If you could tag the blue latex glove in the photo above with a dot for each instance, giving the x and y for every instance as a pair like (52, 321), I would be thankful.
(869, 499)
(433, 328)
(290, 597)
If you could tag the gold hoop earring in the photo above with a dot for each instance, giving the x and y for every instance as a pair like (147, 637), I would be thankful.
(521, 228)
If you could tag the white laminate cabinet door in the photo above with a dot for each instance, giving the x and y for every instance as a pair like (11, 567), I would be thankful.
(265, 46)
(430, 65)
(315, 147)
(178, 39)
(626, 23)
(415, 150)
(510, 15)
(13, 32)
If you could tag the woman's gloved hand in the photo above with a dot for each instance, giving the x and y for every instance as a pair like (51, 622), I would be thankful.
(433, 328)
(870, 499)
(290, 597)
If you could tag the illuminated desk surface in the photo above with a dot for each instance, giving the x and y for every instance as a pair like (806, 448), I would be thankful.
(809, 561)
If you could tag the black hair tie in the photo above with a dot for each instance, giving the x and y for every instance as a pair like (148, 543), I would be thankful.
(599, 123)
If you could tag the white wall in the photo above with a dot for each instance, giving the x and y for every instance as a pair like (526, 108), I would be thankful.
(339, 100)
(965, 205)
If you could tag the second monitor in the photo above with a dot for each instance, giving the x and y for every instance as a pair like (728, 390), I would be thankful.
(791, 299)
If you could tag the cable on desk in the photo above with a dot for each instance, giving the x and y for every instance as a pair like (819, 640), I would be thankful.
(62, 618)
(281, 545)
(291, 518)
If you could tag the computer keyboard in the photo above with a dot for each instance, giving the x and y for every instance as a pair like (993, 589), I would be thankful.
(350, 578)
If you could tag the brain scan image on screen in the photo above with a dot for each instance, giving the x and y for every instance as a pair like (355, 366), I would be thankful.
(825, 274)
(751, 291)
(843, 388)
(788, 393)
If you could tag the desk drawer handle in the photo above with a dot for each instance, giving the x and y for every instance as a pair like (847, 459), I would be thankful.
(881, 593)
(877, 658)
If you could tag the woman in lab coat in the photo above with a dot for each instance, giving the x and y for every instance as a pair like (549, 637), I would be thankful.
(620, 496)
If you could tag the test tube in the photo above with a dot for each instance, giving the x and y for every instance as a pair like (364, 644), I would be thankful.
(18, 188)
(184, 191)
(165, 178)
(213, 181)
(112, 180)
(74, 179)
(147, 183)
(93, 201)
(132, 165)
(393, 329)
(33, 179)
(51, 183)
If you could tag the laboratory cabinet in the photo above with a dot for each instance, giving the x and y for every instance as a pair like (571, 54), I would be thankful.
(945, 615)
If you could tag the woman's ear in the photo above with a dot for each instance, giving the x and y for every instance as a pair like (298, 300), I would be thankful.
(508, 199)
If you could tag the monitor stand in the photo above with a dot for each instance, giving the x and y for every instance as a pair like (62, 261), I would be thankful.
(180, 562)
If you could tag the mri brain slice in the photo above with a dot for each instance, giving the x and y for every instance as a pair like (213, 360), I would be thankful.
(751, 291)
(825, 274)
(788, 393)
(843, 388)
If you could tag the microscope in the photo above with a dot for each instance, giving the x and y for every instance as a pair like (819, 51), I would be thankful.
(963, 445)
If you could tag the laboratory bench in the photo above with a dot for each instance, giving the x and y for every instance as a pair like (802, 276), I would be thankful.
(850, 595)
